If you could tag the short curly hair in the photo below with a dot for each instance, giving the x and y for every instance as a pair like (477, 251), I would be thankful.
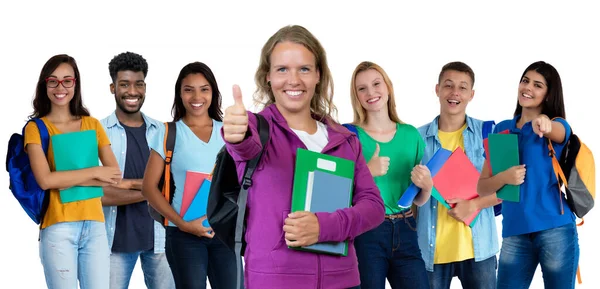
(127, 61)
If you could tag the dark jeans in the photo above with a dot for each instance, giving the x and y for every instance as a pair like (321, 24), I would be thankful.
(192, 259)
(472, 275)
(391, 251)
(556, 250)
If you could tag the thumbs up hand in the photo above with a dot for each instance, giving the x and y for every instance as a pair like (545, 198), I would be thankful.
(378, 166)
(235, 121)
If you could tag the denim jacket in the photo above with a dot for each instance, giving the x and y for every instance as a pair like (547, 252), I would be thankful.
(118, 140)
(485, 236)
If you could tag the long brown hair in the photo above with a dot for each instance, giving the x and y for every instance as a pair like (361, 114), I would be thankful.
(41, 102)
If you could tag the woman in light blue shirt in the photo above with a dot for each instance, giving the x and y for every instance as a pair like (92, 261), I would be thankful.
(192, 252)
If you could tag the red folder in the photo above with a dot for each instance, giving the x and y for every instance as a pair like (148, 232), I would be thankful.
(193, 181)
(486, 147)
(457, 179)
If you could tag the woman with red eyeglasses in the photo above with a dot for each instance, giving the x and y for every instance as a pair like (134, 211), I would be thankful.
(72, 243)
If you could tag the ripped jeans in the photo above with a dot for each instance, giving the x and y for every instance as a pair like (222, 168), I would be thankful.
(72, 251)
(391, 251)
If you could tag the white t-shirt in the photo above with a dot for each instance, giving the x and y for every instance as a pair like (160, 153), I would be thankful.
(315, 142)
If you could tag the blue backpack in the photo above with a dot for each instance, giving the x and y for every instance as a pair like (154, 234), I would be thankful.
(487, 128)
(23, 185)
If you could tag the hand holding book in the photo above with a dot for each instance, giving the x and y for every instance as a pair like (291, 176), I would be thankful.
(301, 229)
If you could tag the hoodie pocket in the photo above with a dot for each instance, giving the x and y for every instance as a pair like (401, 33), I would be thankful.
(291, 260)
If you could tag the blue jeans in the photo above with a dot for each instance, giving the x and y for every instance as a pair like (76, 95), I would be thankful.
(391, 251)
(472, 275)
(192, 259)
(72, 251)
(157, 273)
(556, 250)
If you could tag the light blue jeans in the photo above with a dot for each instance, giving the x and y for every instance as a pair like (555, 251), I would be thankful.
(157, 273)
(556, 250)
(72, 251)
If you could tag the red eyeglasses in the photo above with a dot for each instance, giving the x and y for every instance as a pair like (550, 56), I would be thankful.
(66, 83)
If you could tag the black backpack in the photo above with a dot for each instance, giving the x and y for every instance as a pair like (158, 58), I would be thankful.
(167, 177)
(226, 209)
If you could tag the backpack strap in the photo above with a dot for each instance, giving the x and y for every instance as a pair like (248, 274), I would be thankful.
(558, 172)
(487, 128)
(351, 128)
(169, 146)
(263, 131)
(45, 140)
(44, 135)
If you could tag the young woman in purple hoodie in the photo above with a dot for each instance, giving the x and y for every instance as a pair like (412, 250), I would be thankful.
(295, 85)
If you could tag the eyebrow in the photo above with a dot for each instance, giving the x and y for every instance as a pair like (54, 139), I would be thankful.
(535, 81)
(201, 86)
(66, 76)
(303, 65)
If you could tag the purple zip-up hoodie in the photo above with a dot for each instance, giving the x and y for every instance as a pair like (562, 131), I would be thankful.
(269, 263)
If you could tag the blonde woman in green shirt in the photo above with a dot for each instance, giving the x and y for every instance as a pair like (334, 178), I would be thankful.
(393, 151)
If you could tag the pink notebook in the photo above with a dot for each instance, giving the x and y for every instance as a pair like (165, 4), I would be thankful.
(458, 179)
(193, 181)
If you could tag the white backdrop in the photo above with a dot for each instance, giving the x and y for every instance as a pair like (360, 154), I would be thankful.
(410, 41)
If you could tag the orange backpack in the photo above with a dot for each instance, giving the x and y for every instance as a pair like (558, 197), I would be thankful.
(575, 169)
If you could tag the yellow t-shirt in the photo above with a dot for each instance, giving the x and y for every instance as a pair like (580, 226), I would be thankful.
(454, 242)
(57, 212)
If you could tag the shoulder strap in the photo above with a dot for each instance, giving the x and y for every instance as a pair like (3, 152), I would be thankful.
(169, 141)
(169, 146)
(351, 128)
(263, 131)
(44, 135)
(487, 128)
(558, 172)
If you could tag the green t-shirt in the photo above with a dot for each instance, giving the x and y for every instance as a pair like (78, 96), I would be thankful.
(405, 151)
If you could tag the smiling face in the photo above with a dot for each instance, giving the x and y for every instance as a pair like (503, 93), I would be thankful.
(371, 90)
(196, 94)
(293, 76)
(532, 90)
(63, 78)
(454, 92)
(129, 90)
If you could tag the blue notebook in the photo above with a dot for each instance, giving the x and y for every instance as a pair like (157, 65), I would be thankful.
(435, 164)
(197, 208)
(327, 192)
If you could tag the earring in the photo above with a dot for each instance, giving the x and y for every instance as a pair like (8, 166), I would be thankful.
(269, 83)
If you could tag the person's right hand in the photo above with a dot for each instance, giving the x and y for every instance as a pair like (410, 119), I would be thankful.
(514, 175)
(195, 227)
(111, 175)
(235, 121)
(378, 166)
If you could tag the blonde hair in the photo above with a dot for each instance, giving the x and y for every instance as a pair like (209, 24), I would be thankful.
(321, 103)
(360, 114)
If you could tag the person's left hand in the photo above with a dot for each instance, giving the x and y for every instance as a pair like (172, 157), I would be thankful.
(462, 210)
(301, 229)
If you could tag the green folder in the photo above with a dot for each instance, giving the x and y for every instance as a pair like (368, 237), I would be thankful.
(322, 183)
(75, 151)
(504, 154)
(436, 194)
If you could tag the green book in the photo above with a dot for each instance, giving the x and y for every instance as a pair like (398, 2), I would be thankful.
(504, 154)
(75, 151)
(322, 183)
